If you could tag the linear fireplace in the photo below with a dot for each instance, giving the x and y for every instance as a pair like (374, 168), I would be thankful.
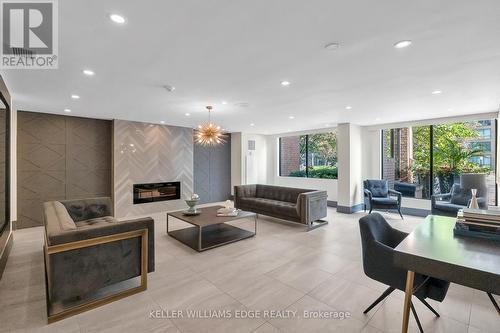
(154, 192)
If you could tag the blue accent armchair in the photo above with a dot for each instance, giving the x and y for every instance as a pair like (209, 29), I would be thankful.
(448, 204)
(379, 196)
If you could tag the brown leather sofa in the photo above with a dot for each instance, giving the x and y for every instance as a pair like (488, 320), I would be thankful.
(86, 250)
(304, 206)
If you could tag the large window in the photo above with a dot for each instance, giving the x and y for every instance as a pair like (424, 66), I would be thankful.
(424, 160)
(313, 156)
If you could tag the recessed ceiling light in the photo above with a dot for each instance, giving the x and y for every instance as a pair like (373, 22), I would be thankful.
(187, 114)
(402, 44)
(88, 72)
(252, 124)
(332, 46)
(117, 18)
(224, 102)
(285, 83)
(75, 96)
(436, 92)
(291, 117)
(348, 107)
(162, 122)
(67, 110)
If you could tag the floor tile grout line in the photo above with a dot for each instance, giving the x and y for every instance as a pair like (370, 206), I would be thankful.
(159, 305)
(257, 247)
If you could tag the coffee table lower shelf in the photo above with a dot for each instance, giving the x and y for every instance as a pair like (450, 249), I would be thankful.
(207, 231)
(211, 236)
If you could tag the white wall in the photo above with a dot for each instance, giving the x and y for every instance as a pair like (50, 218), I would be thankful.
(259, 156)
(241, 158)
(351, 160)
(343, 148)
(356, 160)
(236, 170)
(370, 145)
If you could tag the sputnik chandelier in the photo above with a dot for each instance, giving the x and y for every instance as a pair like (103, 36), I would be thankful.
(209, 134)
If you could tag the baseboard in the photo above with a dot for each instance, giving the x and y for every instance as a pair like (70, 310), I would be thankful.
(4, 256)
(415, 211)
(331, 203)
(350, 209)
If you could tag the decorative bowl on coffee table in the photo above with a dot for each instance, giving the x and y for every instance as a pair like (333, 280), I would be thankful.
(192, 207)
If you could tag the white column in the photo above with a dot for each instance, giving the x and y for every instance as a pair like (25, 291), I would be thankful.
(350, 167)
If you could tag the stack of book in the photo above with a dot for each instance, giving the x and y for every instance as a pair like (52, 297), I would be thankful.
(478, 223)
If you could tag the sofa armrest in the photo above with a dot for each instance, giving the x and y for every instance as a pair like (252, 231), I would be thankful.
(92, 257)
(85, 233)
(312, 206)
(99, 230)
(244, 191)
(368, 193)
(85, 209)
(399, 195)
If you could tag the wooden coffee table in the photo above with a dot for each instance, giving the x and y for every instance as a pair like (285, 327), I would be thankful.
(209, 230)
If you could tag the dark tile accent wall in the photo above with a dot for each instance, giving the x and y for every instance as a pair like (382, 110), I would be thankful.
(212, 172)
(60, 157)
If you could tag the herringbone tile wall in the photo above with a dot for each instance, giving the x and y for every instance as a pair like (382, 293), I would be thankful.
(147, 153)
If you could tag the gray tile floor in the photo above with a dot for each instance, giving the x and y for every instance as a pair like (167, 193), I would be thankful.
(283, 268)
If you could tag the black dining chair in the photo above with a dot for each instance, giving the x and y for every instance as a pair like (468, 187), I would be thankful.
(378, 241)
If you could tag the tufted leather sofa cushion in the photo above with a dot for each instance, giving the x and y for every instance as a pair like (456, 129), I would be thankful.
(279, 193)
(287, 209)
(98, 220)
(86, 209)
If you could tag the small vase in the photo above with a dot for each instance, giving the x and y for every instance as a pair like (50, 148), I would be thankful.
(192, 205)
(473, 201)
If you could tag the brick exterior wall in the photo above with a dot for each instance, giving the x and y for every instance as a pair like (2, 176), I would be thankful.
(289, 155)
(388, 163)
(404, 156)
(401, 161)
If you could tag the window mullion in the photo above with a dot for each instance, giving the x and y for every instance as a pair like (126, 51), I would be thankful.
(431, 159)
(307, 156)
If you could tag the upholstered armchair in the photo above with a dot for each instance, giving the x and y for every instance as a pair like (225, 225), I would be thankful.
(448, 204)
(91, 257)
(379, 196)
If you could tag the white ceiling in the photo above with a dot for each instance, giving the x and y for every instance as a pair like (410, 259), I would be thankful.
(240, 51)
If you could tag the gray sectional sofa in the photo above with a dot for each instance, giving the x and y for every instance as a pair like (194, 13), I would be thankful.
(304, 206)
(86, 249)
